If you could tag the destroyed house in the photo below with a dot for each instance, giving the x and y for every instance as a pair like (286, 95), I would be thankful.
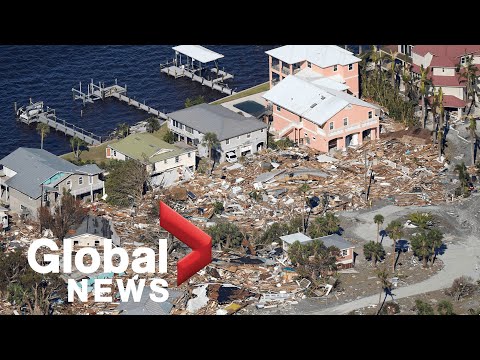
(238, 135)
(30, 178)
(166, 163)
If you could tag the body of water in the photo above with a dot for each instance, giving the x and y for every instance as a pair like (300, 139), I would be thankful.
(48, 73)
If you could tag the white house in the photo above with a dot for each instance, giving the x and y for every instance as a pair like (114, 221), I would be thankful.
(237, 134)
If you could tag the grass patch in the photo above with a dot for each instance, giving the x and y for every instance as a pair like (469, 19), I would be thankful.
(94, 153)
(253, 90)
(162, 131)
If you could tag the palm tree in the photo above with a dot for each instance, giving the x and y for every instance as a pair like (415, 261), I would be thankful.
(393, 67)
(77, 144)
(434, 106)
(303, 189)
(123, 130)
(382, 275)
(152, 124)
(473, 135)
(43, 130)
(462, 175)
(441, 132)
(407, 81)
(373, 251)
(469, 76)
(423, 84)
(210, 141)
(395, 232)
(378, 219)
(422, 246)
(435, 236)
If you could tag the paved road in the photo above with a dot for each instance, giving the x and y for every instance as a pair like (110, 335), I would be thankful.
(459, 259)
(462, 256)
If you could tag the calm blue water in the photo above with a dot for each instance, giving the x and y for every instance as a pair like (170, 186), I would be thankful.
(47, 73)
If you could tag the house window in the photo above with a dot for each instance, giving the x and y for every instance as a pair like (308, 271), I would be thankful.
(177, 159)
(262, 130)
(331, 126)
(97, 243)
(299, 119)
(45, 196)
(189, 129)
(345, 121)
(189, 155)
(114, 152)
(343, 252)
(75, 242)
(279, 108)
(309, 64)
(90, 180)
(69, 184)
(370, 114)
(463, 60)
(248, 136)
(335, 67)
(80, 180)
(227, 142)
(350, 67)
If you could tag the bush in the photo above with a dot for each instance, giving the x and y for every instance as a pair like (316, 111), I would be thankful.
(423, 308)
(390, 308)
(218, 207)
(284, 143)
(445, 307)
(461, 287)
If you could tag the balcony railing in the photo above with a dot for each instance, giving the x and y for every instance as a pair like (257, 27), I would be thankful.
(86, 189)
(296, 70)
(276, 67)
(286, 70)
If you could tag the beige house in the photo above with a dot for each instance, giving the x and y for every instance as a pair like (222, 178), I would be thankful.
(30, 178)
(166, 163)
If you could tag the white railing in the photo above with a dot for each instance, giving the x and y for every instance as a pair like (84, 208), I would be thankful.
(353, 127)
(86, 189)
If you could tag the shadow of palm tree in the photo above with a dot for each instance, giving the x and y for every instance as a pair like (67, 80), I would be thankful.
(382, 233)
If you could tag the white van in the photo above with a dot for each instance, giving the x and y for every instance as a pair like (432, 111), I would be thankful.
(231, 157)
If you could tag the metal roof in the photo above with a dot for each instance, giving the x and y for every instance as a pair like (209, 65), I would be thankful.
(225, 123)
(335, 240)
(198, 52)
(333, 82)
(290, 239)
(35, 166)
(311, 101)
(140, 145)
(320, 55)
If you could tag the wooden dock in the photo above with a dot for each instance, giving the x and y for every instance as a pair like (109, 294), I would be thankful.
(101, 92)
(177, 72)
(35, 113)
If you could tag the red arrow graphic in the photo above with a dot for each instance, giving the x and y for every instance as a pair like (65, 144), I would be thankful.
(196, 239)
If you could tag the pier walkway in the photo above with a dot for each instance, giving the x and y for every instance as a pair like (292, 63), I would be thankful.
(35, 113)
(100, 92)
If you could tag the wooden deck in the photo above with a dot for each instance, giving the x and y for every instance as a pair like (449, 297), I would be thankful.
(100, 92)
(49, 117)
(177, 72)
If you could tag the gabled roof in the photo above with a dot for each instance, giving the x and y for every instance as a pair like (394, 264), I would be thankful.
(198, 52)
(335, 240)
(290, 239)
(224, 122)
(311, 101)
(145, 146)
(320, 55)
(35, 166)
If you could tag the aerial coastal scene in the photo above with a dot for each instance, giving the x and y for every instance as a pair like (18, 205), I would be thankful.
(239, 180)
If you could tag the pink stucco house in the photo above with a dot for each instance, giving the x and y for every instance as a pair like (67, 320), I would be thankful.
(328, 61)
(317, 112)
